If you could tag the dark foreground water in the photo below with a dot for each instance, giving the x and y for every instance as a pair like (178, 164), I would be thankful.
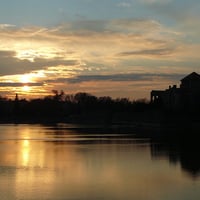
(65, 162)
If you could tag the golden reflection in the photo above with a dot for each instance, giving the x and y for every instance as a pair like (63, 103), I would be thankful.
(26, 143)
(25, 147)
(25, 152)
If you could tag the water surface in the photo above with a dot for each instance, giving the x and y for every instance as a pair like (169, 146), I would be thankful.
(61, 162)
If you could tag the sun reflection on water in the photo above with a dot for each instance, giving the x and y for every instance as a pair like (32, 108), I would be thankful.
(25, 153)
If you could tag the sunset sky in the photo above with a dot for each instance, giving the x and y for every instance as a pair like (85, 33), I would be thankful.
(103, 47)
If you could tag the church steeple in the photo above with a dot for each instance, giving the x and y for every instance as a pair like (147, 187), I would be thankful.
(16, 97)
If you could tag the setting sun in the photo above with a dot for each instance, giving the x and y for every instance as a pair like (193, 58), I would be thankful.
(26, 88)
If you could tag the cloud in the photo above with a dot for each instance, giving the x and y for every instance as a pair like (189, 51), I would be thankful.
(98, 42)
(7, 54)
(132, 85)
(139, 26)
(82, 52)
(6, 26)
(85, 26)
(87, 41)
(9, 84)
(149, 52)
(10, 65)
(175, 14)
(120, 77)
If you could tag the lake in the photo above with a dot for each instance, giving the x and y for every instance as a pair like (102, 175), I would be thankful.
(70, 162)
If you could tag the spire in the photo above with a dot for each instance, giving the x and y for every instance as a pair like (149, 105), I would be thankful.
(16, 97)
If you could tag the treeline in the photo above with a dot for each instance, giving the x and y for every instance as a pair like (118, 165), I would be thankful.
(80, 107)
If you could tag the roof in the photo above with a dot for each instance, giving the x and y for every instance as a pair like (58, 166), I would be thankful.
(192, 76)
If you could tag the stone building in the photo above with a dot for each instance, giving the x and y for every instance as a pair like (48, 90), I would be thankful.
(187, 96)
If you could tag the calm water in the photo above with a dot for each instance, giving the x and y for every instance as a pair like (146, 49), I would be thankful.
(65, 162)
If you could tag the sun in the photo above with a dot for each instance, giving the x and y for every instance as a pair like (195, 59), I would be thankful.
(26, 88)
(25, 79)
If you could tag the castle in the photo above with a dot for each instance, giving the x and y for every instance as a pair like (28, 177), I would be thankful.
(187, 96)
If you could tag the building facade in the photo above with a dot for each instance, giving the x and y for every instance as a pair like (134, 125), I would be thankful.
(187, 96)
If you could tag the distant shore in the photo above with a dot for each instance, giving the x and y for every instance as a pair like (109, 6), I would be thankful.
(155, 124)
(86, 109)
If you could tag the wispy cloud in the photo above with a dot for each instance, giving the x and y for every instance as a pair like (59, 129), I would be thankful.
(121, 77)
(149, 52)
(7, 84)
(5, 26)
(84, 41)
(131, 85)
(81, 52)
